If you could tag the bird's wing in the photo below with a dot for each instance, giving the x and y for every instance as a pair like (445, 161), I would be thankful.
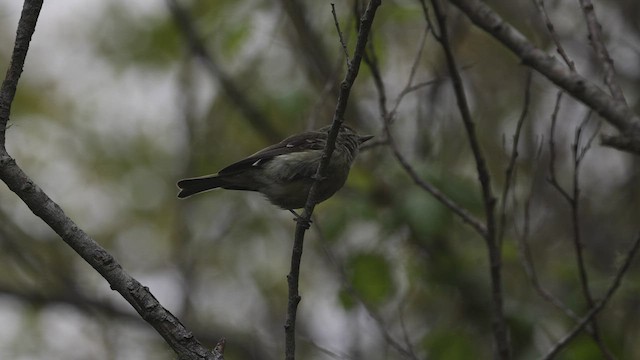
(296, 143)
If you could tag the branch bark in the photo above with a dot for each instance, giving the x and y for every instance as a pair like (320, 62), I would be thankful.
(615, 112)
(167, 325)
(303, 223)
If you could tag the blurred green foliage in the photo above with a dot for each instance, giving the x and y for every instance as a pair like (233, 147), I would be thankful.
(113, 109)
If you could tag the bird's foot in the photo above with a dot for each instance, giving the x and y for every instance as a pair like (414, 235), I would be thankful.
(301, 220)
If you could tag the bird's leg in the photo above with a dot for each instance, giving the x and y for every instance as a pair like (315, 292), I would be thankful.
(306, 223)
(318, 178)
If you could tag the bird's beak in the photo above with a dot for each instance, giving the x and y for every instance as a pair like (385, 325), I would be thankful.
(365, 138)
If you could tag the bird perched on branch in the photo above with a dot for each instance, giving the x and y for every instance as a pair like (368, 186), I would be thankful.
(284, 172)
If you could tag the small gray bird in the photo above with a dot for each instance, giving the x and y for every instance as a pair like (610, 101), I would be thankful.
(284, 172)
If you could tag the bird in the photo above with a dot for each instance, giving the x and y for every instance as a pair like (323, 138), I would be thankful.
(284, 172)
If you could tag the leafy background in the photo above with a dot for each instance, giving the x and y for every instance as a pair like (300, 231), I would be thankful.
(113, 108)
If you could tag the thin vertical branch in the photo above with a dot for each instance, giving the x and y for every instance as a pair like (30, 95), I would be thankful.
(573, 199)
(552, 150)
(388, 116)
(341, 38)
(526, 260)
(577, 234)
(500, 329)
(509, 172)
(303, 222)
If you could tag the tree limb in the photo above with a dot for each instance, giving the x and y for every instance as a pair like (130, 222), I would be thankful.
(303, 223)
(167, 325)
(615, 112)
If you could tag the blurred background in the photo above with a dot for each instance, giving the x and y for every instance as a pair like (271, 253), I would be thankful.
(120, 99)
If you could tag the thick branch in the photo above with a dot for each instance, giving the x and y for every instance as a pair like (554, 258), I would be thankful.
(167, 325)
(615, 112)
(178, 337)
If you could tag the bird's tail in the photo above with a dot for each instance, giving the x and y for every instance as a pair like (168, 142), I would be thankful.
(193, 186)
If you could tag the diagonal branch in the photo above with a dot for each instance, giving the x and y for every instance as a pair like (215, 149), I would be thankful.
(167, 325)
(615, 112)
(588, 318)
(139, 296)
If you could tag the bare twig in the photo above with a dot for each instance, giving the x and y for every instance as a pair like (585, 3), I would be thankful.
(389, 115)
(342, 42)
(509, 172)
(500, 329)
(552, 32)
(573, 200)
(526, 260)
(552, 150)
(589, 316)
(577, 234)
(303, 223)
(597, 42)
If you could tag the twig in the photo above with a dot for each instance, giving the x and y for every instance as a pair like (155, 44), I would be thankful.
(577, 234)
(303, 224)
(526, 259)
(573, 200)
(500, 329)
(554, 36)
(597, 42)
(552, 150)
(514, 156)
(588, 317)
(388, 117)
(342, 42)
